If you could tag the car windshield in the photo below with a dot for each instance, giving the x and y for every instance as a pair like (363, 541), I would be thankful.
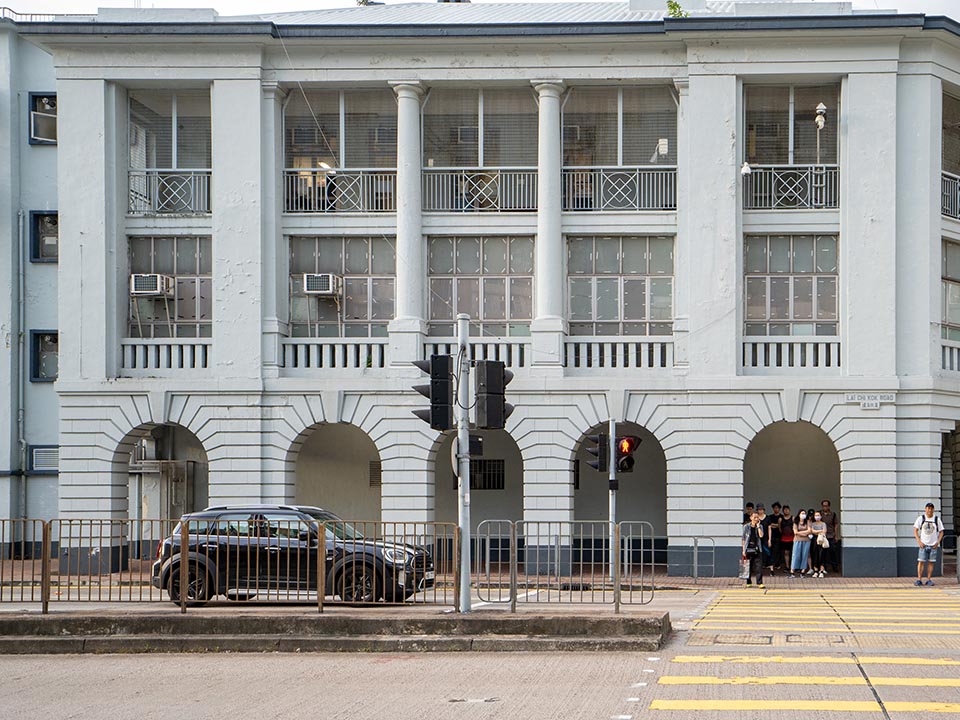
(341, 529)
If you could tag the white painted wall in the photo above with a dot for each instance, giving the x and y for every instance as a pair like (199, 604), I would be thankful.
(333, 472)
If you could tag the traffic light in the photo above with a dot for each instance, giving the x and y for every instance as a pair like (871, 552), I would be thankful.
(439, 391)
(601, 451)
(492, 380)
(626, 445)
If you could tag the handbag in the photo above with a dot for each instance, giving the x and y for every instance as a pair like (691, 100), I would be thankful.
(744, 570)
(822, 541)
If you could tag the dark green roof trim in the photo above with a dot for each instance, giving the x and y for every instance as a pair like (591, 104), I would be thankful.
(140, 29)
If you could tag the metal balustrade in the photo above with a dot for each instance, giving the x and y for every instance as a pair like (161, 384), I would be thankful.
(618, 353)
(167, 191)
(620, 188)
(774, 354)
(513, 353)
(479, 189)
(350, 190)
(334, 353)
(950, 356)
(950, 195)
(161, 357)
(791, 187)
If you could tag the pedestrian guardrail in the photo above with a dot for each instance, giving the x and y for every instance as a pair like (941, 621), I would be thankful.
(696, 560)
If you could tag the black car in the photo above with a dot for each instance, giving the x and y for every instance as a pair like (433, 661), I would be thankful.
(240, 552)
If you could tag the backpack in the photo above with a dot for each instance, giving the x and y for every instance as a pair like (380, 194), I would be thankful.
(937, 525)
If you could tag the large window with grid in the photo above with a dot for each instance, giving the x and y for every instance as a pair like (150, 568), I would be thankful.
(950, 144)
(489, 278)
(183, 305)
(170, 130)
(368, 268)
(780, 127)
(791, 284)
(620, 284)
(950, 283)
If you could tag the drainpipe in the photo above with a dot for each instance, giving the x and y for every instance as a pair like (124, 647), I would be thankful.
(21, 374)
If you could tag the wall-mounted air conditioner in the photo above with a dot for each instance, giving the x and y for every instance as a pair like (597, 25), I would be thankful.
(151, 285)
(323, 284)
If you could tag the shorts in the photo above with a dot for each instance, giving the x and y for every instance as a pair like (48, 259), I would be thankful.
(927, 553)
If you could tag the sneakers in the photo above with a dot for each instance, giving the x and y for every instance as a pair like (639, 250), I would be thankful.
(928, 582)
(821, 574)
(761, 585)
(750, 583)
(918, 583)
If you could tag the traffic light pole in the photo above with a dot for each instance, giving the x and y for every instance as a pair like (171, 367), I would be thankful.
(463, 455)
(614, 552)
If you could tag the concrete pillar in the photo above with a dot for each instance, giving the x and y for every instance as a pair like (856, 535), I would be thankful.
(549, 326)
(681, 244)
(408, 328)
(274, 274)
(713, 276)
(237, 203)
(918, 225)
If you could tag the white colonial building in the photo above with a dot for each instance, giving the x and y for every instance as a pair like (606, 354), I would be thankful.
(640, 214)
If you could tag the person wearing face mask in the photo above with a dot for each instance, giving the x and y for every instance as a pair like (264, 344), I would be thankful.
(818, 553)
(801, 545)
(786, 537)
(752, 549)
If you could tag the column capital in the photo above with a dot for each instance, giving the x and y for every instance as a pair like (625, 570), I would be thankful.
(272, 89)
(407, 88)
(682, 85)
(548, 87)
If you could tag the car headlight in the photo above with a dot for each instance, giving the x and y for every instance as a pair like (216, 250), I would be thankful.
(396, 556)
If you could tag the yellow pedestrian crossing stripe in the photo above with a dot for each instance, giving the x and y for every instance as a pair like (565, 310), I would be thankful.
(808, 680)
(815, 659)
(757, 707)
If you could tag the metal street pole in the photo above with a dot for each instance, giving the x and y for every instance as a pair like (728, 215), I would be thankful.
(614, 552)
(463, 456)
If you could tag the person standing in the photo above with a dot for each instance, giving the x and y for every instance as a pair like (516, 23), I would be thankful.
(833, 535)
(772, 535)
(818, 553)
(747, 512)
(786, 538)
(752, 549)
(928, 530)
(764, 523)
(801, 545)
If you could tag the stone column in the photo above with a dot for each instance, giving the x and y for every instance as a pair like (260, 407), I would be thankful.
(549, 325)
(408, 328)
(681, 243)
(274, 273)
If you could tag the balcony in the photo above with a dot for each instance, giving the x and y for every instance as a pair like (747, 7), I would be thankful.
(775, 355)
(950, 356)
(618, 353)
(792, 187)
(340, 191)
(620, 188)
(169, 192)
(306, 354)
(512, 352)
(950, 195)
(479, 190)
(165, 357)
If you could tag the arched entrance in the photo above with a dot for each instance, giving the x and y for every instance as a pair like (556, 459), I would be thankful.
(496, 480)
(338, 469)
(168, 472)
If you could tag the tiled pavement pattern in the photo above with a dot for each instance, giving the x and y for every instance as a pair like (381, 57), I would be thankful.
(809, 653)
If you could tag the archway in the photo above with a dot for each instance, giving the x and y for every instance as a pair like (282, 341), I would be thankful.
(496, 480)
(338, 469)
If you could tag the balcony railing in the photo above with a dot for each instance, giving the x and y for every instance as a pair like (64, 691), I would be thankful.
(340, 191)
(620, 188)
(775, 354)
(513, 352)
(618, 353)
(334, 353)
(950, 356)
(176, 192)
(479, 189)
(950, 195)
(791, 187)
(162, 357)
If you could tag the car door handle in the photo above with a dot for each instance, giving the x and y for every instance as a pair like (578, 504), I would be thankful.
(273, 549)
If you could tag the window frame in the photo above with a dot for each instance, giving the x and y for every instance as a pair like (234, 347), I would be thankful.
(35, 245)
(791, 122)
(31, 466)
(33, 97)
(35, 336)
(945, 282)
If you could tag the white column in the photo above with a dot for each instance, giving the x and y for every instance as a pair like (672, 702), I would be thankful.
(274, 273)
(681, 244)
(549, 326)
(408, 328)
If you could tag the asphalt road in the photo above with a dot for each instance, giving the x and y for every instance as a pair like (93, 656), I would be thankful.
(815, 654)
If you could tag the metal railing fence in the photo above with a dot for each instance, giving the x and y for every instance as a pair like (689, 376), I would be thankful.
(344, 190)
(168, 191)
(791, 187)
(620, 188)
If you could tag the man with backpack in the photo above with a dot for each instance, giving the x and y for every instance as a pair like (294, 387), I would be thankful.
(928, 530)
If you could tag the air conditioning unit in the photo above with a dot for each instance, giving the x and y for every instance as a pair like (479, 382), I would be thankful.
(468, 135)
(151, 285)
(325, 284)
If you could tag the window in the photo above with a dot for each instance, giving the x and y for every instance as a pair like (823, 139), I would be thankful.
(619, 126)
(368, 268)
(485, 474)
(791, 285)
(951, 135)
(170, 130)
(620, 285)
(43, 118)
(187, 311)
(950, 281)
(43, 459)
(480, 128)
(44, 237)
(44, 355)
(488, 278)
(780, 124)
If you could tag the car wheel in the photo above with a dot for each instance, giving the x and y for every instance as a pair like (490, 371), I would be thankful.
(198, 587)
(357, 583)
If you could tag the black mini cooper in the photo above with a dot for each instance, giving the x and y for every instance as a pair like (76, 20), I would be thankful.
(242, 552)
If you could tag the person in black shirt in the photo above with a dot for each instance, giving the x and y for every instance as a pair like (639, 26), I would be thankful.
(772, 534)
(747, 512)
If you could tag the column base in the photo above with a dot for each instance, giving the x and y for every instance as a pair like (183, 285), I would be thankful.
(547, 336)
(406, 338)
